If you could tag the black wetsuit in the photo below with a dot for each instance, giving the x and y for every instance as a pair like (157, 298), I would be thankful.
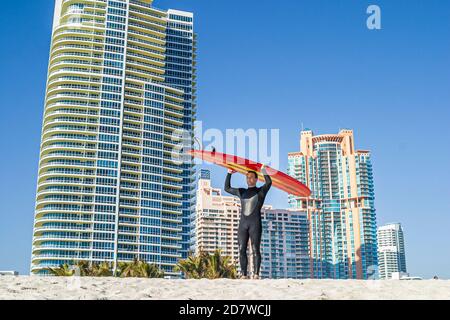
(250, 226)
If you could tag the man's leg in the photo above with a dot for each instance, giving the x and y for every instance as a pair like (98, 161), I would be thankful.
(243, 237)
(255, 236)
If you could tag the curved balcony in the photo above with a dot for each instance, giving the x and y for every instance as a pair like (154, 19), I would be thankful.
(62, 63)
(45, 192)
(67, 31)
(63, 71)
(72, 115)
(63, 228)
(48, 201)
(44, 176)
(71, 130)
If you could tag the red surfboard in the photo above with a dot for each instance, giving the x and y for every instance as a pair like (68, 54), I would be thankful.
(280, 180)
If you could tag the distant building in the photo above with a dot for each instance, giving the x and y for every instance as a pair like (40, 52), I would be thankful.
(284, 245)
(9, 273)
(391, 251)
(399, 275)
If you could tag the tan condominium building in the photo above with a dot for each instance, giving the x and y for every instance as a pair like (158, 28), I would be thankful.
(216, 220)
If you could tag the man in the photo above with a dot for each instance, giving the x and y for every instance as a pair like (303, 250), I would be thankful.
(250, 225)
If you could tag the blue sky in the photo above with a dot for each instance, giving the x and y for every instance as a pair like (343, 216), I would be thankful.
(266, 64)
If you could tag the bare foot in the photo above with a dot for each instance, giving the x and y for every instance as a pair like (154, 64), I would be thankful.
(244, 277)
(255, 277)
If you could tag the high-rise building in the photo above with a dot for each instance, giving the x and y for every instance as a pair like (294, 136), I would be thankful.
(341, 210)
(391, 250)
(217, 219)
(284, 244)
(120, 90)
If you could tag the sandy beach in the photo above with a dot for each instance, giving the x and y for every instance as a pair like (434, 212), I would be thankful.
(76, 288)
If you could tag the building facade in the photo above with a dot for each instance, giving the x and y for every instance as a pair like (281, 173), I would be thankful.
(120, 89)
(341, 210)
(391, 251)
(284, 244)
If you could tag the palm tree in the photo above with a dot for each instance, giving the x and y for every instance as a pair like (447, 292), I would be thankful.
(103, 269)
(64, 270)
(148, 270)
(136, 268)
(83, 267)
(194, 266)
(140, 269)
(86, 269)
(127, 269)
(220, 266)
(207, 266)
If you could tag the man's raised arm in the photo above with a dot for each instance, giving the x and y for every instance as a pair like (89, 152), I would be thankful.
(265, 188)
(228, 188)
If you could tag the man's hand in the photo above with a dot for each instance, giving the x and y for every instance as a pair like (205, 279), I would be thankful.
(231, 171)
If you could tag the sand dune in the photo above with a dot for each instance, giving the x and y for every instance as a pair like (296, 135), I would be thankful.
(42, 288)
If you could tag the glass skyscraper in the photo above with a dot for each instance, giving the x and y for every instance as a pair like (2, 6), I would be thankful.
(120, 89)
(341, 210)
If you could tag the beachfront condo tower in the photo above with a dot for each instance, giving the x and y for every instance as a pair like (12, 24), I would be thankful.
(341, 211)
(120, 102)
(391, 250)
